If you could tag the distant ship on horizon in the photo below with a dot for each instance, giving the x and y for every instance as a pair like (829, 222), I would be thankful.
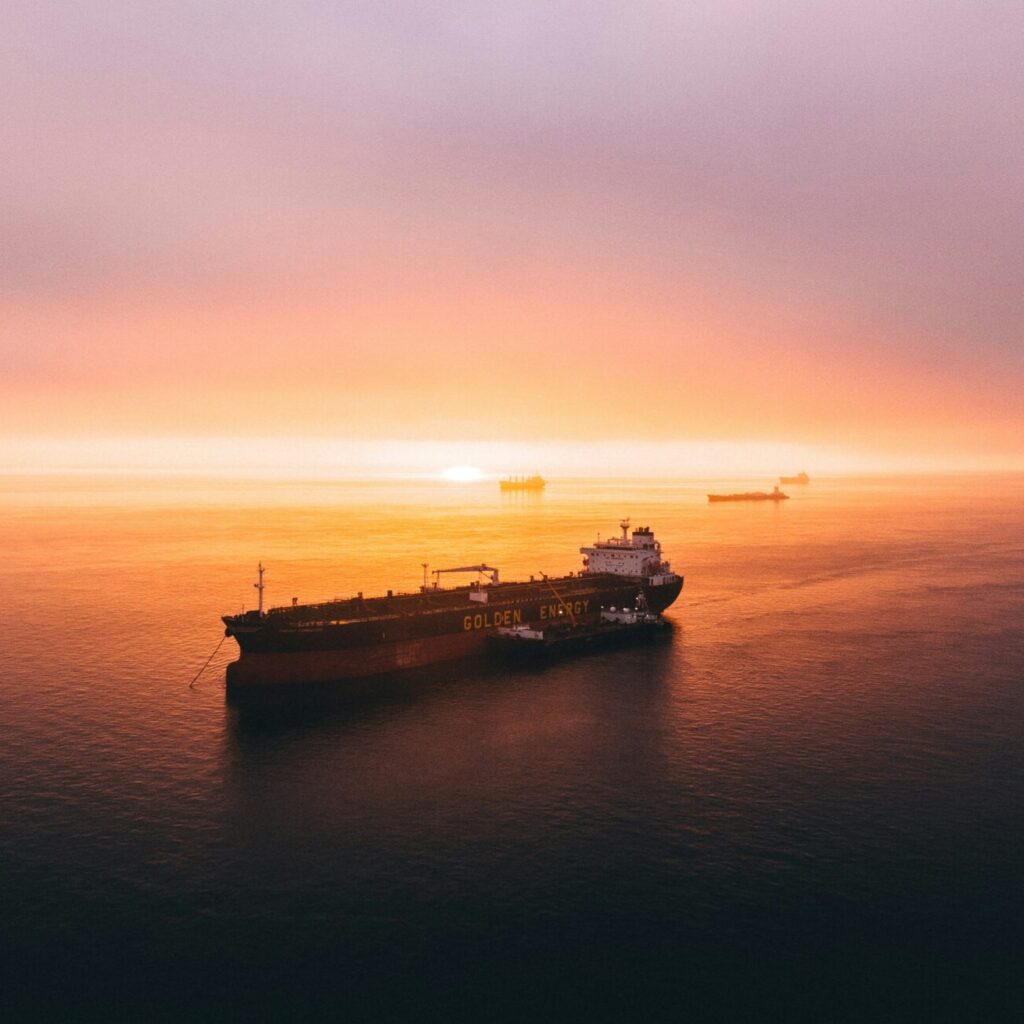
(775, 495)
(800, 478)
(523, 483)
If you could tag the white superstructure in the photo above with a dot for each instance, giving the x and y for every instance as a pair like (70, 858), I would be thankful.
(636, 555)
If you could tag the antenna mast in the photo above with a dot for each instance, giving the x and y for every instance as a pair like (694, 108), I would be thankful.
(259, 587)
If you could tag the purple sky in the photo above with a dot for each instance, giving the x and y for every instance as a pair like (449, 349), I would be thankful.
(830, 189)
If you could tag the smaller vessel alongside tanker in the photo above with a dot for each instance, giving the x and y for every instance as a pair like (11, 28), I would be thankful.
(613, 627)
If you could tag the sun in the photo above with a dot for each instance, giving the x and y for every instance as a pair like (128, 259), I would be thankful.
(462, 474)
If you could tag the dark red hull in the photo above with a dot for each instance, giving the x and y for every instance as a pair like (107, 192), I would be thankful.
(354, 663)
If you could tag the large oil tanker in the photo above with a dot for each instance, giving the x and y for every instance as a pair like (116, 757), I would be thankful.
(360, 637)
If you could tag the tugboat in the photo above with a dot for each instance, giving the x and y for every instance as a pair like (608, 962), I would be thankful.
(775, 495)
(360, 637)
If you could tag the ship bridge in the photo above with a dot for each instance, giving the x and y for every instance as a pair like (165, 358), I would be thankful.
(638, 554)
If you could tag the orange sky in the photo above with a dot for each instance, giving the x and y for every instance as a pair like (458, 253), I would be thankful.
(797, 230)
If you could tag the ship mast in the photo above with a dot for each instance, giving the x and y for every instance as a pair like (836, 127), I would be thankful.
(259, 587)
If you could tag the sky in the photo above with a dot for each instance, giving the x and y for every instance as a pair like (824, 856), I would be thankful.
(512, 232)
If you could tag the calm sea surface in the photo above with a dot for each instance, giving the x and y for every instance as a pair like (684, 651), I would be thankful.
(807, 802)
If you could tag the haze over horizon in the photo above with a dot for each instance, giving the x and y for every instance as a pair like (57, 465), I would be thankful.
(768, 232)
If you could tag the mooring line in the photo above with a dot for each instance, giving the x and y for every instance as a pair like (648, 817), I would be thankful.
(208, 660)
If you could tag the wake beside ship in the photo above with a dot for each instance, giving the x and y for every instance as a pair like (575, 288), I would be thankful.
(360, 637)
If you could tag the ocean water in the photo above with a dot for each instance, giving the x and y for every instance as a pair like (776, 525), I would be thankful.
(806, 803)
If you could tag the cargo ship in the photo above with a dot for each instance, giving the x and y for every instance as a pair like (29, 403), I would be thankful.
(800, 478)
(360, 637)
(775, 495)
(523, 483)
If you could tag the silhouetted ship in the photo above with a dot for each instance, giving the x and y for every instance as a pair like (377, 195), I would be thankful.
(523, 483)
(775, 495)
(800, 478)
(359, 637)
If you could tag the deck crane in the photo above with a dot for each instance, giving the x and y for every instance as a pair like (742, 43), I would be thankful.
(485, 570)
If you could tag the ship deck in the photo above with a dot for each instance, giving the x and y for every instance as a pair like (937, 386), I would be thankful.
(396, 606)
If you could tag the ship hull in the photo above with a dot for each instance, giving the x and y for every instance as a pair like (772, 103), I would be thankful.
(298, 650)
(328, 666)
(754, 496)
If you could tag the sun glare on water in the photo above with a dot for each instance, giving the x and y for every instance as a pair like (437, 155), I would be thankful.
(462, 474)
